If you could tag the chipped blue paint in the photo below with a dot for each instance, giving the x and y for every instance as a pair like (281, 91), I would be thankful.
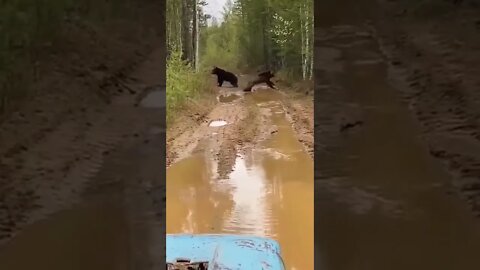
(233, 252)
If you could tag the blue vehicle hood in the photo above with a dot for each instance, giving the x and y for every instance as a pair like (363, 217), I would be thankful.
(233, 252)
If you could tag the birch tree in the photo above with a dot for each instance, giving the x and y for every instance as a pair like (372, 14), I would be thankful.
(276, 34)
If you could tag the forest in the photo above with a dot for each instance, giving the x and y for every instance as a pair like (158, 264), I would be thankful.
(253, 35)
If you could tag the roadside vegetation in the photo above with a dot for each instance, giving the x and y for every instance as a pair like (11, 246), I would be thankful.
(183, 84)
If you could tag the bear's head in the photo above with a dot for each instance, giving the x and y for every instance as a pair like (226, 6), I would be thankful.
(215, 70)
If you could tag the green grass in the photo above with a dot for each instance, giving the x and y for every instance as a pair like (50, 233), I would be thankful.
(184, 84)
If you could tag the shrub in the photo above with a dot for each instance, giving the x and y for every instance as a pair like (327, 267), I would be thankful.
(183, 83)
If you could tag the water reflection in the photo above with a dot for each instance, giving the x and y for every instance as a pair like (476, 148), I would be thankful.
(268, 193)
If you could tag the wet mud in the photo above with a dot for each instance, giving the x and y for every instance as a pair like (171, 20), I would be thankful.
(382, 200)
(266, 189)
(227, 98)
(86, 237)
(154, 98)
(434, 60)
(87, 195)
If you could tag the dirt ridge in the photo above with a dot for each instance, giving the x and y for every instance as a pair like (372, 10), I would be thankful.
(435, 66)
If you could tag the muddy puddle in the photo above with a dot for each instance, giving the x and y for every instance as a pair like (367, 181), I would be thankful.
(268, 193)
(382, 201)
(87, 237)
(227, 98)
(217, 123)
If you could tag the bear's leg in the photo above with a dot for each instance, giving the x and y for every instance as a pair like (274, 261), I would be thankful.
(270, 84)
(220, 82)
(234, 81)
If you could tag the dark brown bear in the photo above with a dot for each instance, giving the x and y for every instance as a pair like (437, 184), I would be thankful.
(263, 77)
(223, 75)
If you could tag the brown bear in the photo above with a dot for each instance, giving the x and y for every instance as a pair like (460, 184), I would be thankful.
(263, 77)
(223, 75)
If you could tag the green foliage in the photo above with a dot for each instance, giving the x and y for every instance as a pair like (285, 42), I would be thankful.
(183, 83)
(272, 33)
(287, 77)
(174, 27)
(221, 47)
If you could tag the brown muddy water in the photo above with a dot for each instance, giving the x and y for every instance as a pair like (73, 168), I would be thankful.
(86, 237)
(382, 202)
(268, 193)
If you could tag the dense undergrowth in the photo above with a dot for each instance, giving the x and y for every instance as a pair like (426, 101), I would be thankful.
(184, 84)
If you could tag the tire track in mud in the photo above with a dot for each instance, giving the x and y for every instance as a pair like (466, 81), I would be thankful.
(55, 170)
(376, 184)
(73, 152)
(437, 80)
(246, 125)
(335, 108)
(219, 141)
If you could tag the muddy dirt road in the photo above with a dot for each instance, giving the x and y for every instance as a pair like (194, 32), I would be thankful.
(243, 170)
(382, 201)
(87, 195)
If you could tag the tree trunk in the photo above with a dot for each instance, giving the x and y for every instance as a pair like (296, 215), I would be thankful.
(194, 33)
(303, 52)
(311, 43)
(197, 37)
(185, 32)
(307, 44)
